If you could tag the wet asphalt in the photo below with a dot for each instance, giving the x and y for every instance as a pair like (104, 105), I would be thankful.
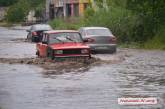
(130, 73)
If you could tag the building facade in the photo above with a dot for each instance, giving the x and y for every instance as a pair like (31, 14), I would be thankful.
(66, 8)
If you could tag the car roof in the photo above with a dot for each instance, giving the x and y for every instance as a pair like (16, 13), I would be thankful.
(59, 31)
(94, 28)
(40, 25)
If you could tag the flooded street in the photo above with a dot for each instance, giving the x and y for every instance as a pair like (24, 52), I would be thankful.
(128, 73)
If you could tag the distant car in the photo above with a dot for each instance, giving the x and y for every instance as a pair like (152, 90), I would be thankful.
(62, 44)
(101, 39)
(36, 31)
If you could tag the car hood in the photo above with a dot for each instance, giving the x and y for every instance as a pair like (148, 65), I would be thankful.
(69, 45)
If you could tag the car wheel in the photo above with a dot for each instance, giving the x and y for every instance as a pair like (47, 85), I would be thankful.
(52, 54)
(38, 53)
(48, 52)
(28, 37)
(114, 50)
(33, 39)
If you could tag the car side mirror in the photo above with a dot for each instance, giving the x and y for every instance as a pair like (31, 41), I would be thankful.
(88, 40)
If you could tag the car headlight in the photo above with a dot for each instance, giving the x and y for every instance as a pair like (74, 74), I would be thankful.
(58, 51)
(84, 51)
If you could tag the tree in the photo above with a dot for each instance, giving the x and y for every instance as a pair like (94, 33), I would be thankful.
(7, 2)
(150, 14)
(18, 11)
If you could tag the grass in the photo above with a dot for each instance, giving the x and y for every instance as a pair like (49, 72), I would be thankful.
(5, 24)
(69, 23)
(158, 42)
(130, 45)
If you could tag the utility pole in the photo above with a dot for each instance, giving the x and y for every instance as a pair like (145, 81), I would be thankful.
(64, 8)
(47, 11)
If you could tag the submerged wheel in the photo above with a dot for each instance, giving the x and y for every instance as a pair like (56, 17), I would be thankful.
(28, 37)
(38, 54)
(50, 53)
(114, 50)
(33, 39)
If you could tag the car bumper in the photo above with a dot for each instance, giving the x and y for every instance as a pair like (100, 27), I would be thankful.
(103, 47)
(73, 57)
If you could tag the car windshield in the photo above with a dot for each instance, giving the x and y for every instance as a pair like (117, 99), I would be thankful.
(99, 32)
(65, 37)
(41, 27)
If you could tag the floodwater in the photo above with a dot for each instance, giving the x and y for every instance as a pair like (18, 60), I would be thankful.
(128, 73)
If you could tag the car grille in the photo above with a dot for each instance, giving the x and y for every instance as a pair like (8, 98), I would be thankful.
(72, 51)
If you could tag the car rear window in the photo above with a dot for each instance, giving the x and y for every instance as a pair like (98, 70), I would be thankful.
(41, 27)
(99, 32)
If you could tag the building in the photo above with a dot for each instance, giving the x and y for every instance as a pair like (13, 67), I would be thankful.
(66, 8)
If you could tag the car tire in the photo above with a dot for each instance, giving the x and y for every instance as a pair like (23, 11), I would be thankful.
(114, 50)
(33, 39)
(50, 53)
(38, 54)
(28, 37)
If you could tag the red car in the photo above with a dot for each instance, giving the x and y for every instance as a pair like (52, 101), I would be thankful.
(62, 44)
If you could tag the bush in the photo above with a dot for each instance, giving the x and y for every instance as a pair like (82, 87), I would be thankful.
(70, 23)
(7, 2)
(18, 12)
(20, 9)
(157, 42)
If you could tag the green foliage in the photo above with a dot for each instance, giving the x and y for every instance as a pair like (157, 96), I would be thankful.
(111, 3)
(36, 3)
(18, 11)
(150, 14)
(157, 42)
(132, 21)
(7, 2)
(89, 12)
(39, 10)
(72, 23)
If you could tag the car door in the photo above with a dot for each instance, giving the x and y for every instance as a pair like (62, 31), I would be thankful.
(42, 46)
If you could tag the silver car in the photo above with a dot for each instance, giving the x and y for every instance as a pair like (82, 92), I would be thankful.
(100, 39)
(36, 31)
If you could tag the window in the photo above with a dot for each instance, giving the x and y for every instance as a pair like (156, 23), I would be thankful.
(99, 32)
(65, 37)
(45, 38)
